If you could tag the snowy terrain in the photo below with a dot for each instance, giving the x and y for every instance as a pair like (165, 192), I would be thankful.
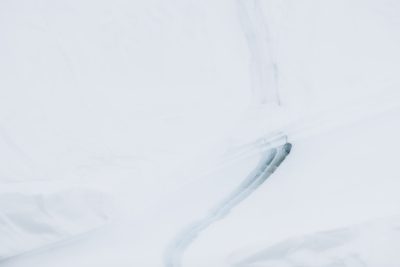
(123, 123)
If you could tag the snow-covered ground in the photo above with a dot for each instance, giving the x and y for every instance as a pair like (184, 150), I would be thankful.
(153, 112)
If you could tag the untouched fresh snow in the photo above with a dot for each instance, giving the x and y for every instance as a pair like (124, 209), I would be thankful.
(166, 107)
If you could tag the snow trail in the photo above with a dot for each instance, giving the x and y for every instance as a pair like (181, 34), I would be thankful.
(266, 167)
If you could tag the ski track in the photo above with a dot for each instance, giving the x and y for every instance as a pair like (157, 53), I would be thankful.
(268, 164)
(263, 64)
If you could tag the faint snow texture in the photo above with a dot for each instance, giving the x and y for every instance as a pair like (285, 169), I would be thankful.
(29, 221)
(374, 243)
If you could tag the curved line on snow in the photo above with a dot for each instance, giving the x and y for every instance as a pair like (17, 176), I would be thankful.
(266, 167)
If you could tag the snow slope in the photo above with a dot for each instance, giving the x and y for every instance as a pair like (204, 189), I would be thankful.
(154, 102)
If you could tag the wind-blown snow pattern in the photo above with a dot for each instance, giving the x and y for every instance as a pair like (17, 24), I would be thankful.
(345, 247)
(38, 220)
(266, 167)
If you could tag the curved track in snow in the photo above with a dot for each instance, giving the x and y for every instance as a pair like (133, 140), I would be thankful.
(268, 164)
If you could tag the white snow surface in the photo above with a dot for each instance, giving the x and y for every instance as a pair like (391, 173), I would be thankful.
(30, 221)
(352, 246)
(152, 103)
